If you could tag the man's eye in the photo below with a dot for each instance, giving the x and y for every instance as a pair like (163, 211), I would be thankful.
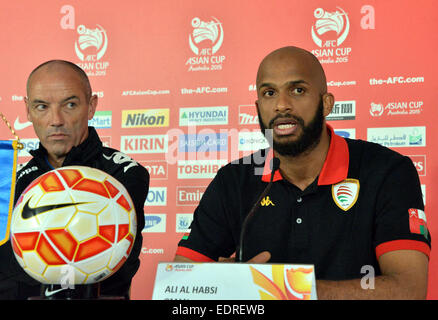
(71, 105)
(268, 93)
(40, 107)
(298, 90)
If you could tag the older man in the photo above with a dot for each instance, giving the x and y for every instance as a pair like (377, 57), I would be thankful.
(337, 203)
(59, 104)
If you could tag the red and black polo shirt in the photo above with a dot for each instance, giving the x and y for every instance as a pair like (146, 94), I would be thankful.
(366, 201)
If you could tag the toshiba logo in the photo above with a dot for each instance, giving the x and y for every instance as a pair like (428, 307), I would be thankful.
(199, 169)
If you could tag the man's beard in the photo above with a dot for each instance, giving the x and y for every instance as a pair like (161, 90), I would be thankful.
(308, 139)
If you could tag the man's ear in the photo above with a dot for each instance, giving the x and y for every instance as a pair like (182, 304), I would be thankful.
(92, 105)
(26, 103)
(328, 101)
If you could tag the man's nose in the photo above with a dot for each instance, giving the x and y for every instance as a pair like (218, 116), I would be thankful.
(284, 103)
(56, 117)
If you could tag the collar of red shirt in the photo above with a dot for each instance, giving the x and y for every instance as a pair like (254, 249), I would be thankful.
(335, 167)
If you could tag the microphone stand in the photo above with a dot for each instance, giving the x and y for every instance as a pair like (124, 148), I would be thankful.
(275, 164)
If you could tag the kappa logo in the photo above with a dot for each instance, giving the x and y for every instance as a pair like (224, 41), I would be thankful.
(266, 201)
(330, 21)
(345, 193)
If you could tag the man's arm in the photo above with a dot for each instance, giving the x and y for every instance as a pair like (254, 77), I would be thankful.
(262, 257)
(179, 258)
(404, 269)
(404, 276)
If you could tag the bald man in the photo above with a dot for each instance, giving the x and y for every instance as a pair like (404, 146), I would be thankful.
(59, 104)
(349, 207)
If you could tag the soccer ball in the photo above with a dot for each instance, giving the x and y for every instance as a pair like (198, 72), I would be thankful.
(73, 225)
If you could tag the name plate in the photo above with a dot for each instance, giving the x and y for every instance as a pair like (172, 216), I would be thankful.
(234, 281)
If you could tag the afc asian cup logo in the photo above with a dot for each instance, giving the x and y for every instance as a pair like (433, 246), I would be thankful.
(169, 267)
(205, 40)
(376, 109)
(330, 21)
(96, 38)
(206, 30)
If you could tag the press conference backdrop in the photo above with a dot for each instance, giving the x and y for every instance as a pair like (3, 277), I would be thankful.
(157, 66)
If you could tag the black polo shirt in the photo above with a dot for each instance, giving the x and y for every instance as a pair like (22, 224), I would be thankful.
(366, 201)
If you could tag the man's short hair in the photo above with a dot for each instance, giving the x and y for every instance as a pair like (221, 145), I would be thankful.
(77, 69)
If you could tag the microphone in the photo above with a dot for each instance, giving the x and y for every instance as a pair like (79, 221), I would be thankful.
(275, 164)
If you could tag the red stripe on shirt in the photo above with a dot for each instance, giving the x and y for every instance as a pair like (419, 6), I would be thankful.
(402, 245)
(192, 255)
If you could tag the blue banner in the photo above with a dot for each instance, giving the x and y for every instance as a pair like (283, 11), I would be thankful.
(8, 161)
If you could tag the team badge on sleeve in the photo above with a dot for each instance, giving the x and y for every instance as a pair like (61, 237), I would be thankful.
(417, 222)
(345, 193)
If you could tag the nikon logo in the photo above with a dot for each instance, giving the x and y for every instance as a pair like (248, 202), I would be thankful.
(145, 118)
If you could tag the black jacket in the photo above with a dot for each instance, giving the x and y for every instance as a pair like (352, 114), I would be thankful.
(14, 282)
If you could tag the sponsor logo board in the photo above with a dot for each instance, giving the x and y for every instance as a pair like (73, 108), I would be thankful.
(398, 136)
(343, 110)
(203, 142)
(252, 141)
(157, 169)
(154, 222)
(183, 221)
(28, 144)
(248, 115)
(145, 118)
(157, 196)
(203, 116)
(346, 133)
(199, 169)
(396, 108)
(189, 195)
(419, 163)
(101, 120)
(144, 144)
